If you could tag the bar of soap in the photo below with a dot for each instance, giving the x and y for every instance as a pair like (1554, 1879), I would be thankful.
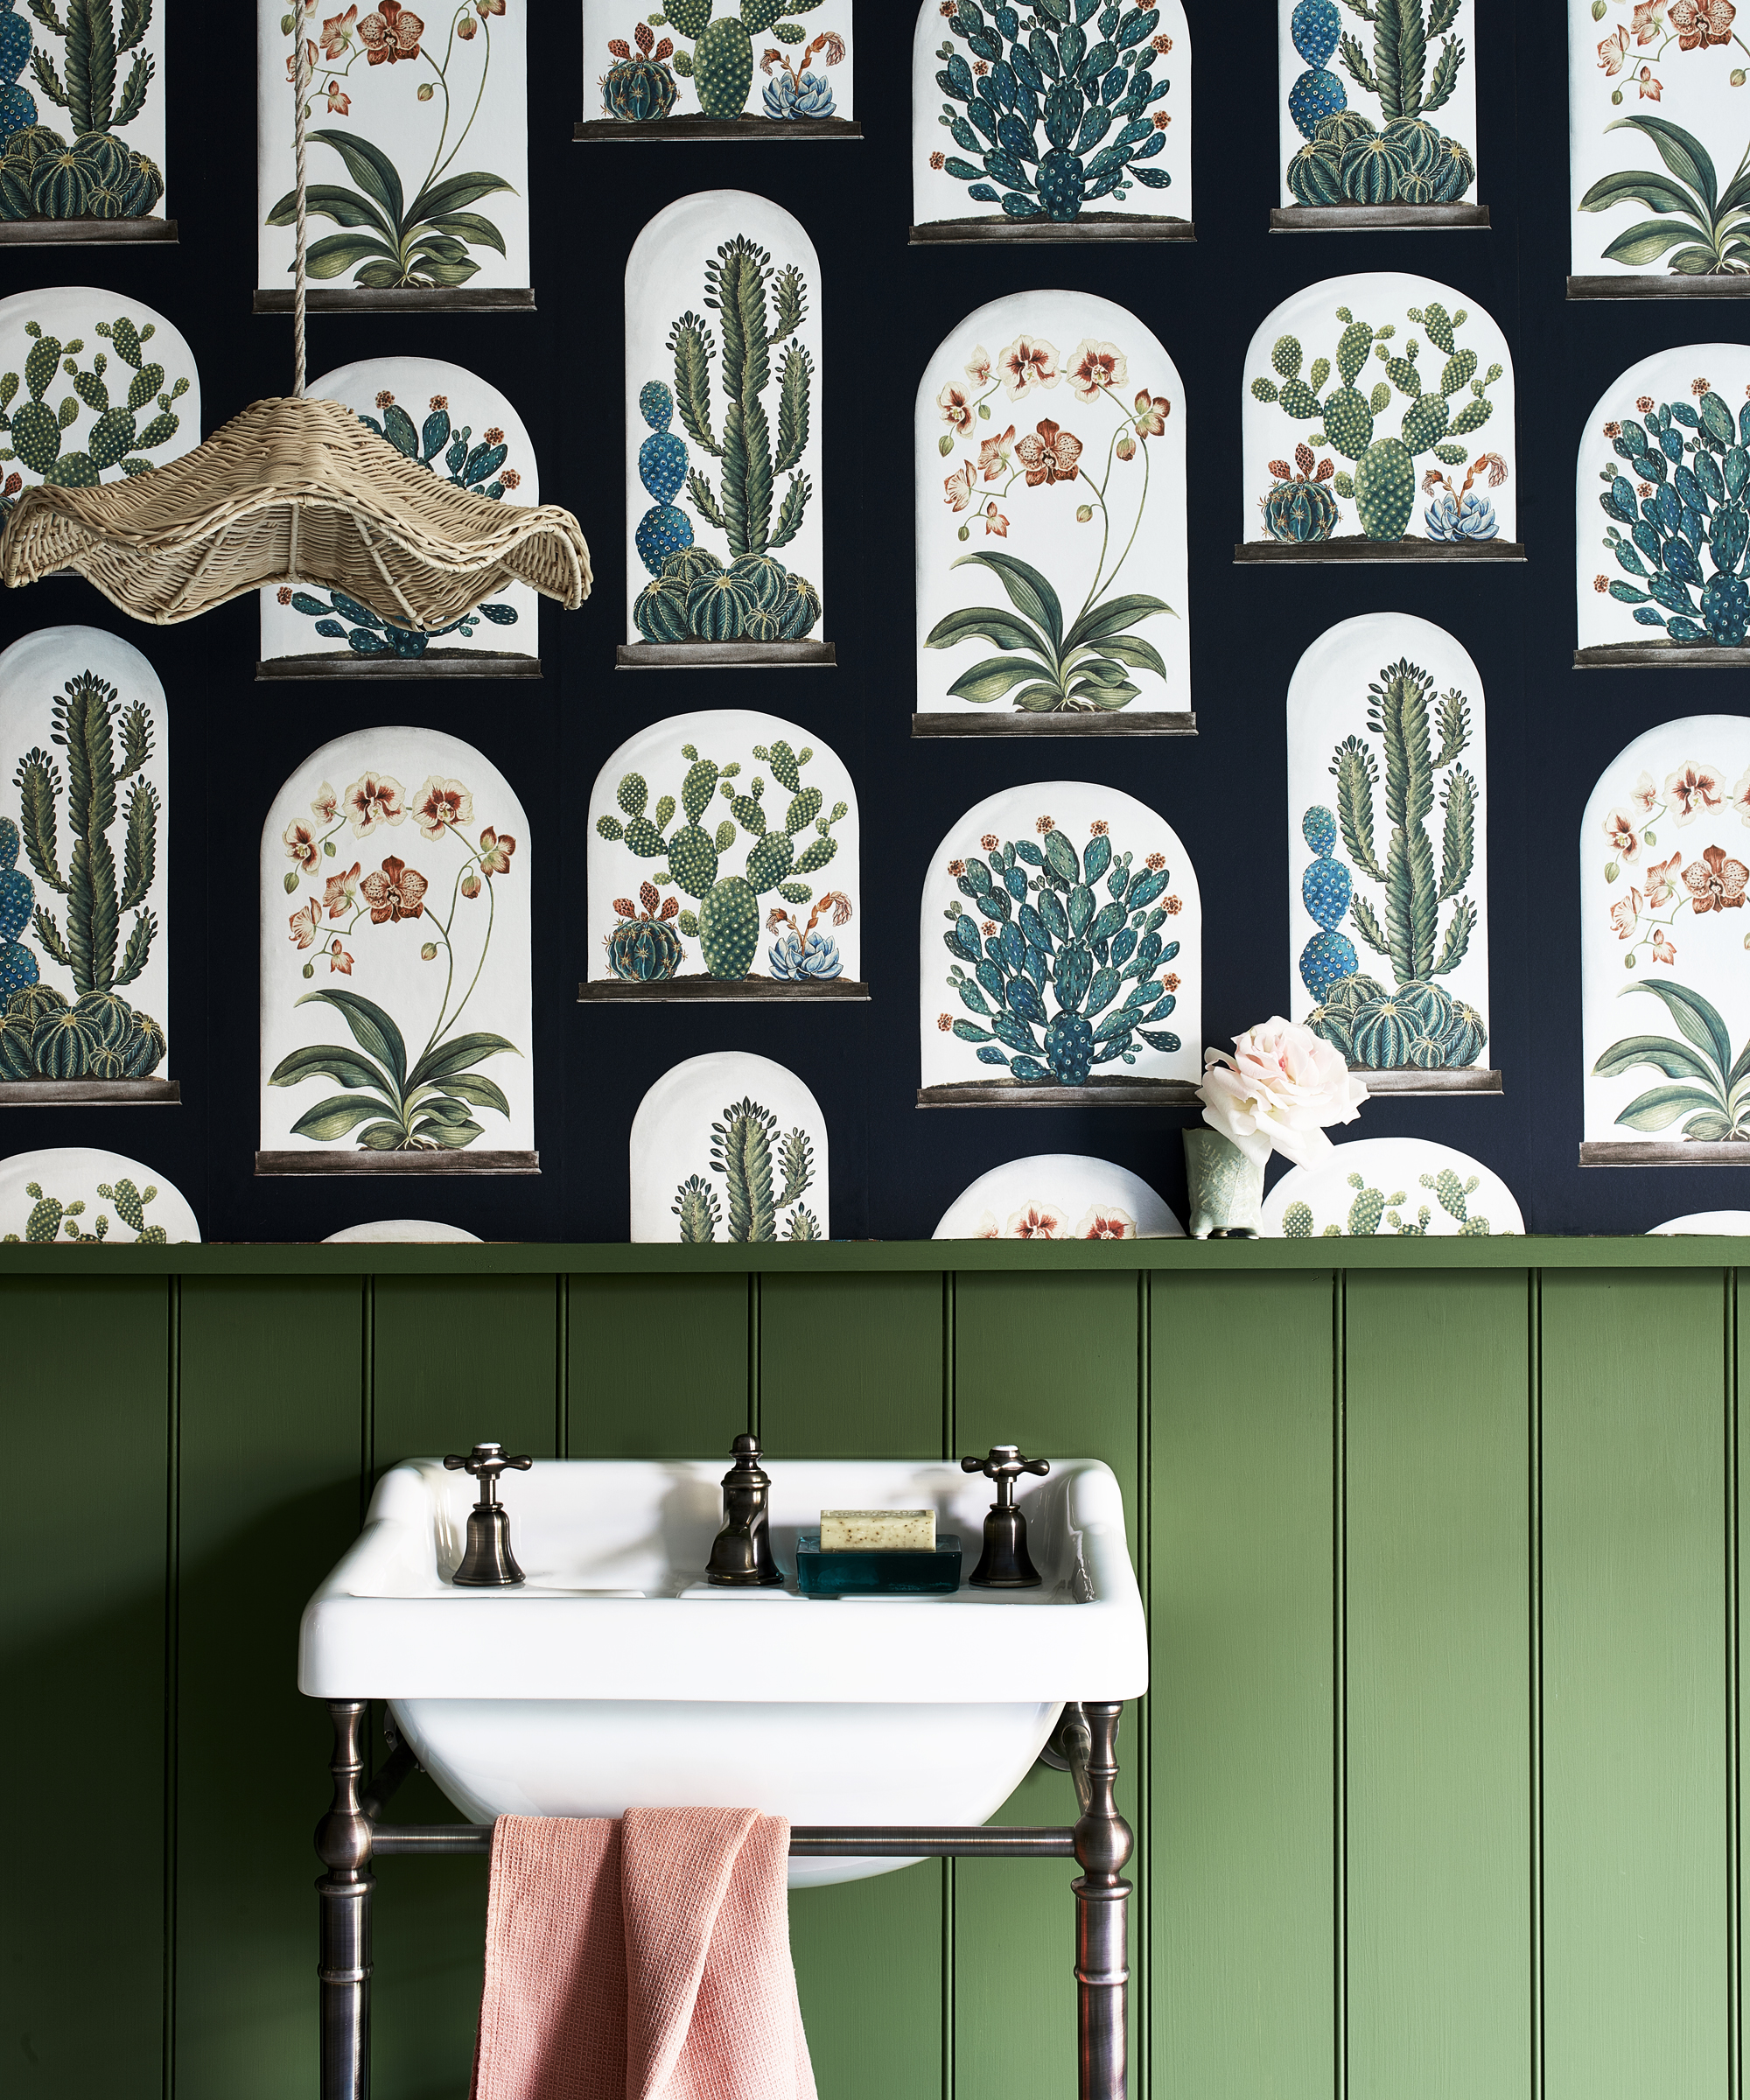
(877, 1531)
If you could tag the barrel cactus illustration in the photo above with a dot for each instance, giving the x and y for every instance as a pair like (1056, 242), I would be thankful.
(1414, 1022)
(94, 175)
(1383, 484)
(1298, 507)
(1679, 512)
(644, 948)
(1048, 960)
(720, 61)
(760, 1180)
(1059, 115)
(639, 87)
(726, 923)
(36, 429)
(1404, 159)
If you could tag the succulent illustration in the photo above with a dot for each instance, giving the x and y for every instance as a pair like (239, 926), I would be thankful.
(1044, 979)
(1384, 483)
(726, 924)
(1299, 506)
(720, 63)
(1059, 117)
(1349, 159)
(644, 948)
(1687, 511)
(35, 430)
(756, 1185)
(1415, 1021)
(17, 901)
(97, 175)
(48, 1216)
(639, 87)
(796, 93)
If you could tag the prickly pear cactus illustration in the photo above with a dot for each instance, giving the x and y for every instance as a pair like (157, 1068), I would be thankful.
(17, 901)
(759, 1181)
(1453, 1195)
(1368, 1209)
(664, 528)
(1297, 1222)
(719, 61)
(36, 429)
(47, 1217)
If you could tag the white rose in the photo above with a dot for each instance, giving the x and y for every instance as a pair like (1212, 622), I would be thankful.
(1281, 1088)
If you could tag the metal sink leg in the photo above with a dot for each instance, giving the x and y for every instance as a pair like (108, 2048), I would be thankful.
(1103, 1845)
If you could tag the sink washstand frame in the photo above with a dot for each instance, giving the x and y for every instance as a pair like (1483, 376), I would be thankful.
(351, 1836)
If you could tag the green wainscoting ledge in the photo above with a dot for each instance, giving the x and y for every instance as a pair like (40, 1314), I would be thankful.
(1439, 1789)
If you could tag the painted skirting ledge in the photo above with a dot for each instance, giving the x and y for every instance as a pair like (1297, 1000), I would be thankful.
(356, 1160)
(1659, 288)
(1377, 218)
(1469, 1079)
(721, 656)
(1091, 1094)
(1121, 722)
(435, 663)
(1662, 656)
(1354, 548)
(90, 1093)
(708, 130)
(1092, 226)
(712, 992)
(1614, 1152)
(490, 299)
(83, 232)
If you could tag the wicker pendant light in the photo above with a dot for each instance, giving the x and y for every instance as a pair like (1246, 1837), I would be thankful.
(295, 492)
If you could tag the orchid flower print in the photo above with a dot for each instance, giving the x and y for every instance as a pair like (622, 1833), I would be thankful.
(1082, 454)
(349, 920)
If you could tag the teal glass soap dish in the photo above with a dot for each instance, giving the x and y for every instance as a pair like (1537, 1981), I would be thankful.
(906, 1573)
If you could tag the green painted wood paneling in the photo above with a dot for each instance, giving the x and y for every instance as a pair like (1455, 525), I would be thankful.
(656, 1368)
(87, 1400)
(271, 1480)
(1241, 1636)
(1436, 1827)
(1634, 1694)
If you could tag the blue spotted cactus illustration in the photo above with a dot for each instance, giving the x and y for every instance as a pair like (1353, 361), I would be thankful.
(1059, 117)
(1048, 960)
(664, 528)
(761, 1182)
(726, 923)
(1686, 551)
(36, 429)
(639, 87)
(1404, 159)
(1382, 486)
(17, 105)
(17, 901)
(720, 61)
(1414, 1022)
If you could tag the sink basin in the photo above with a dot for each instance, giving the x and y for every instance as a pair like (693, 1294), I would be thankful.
(614, 1677)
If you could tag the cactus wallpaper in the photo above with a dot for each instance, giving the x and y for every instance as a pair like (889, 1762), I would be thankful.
(418, 155)
(72, 1195)
(1071, 119)
(81, 112)
(1659, 145)
(1402, 1185)
(1666, 990)
(723, 467)
(1060, 946)
(1665, 458)
(1379, 406)
(1076, 526)
(395, 943)
(1388, 831)
(1058, 1196)
(84, 893)
(722, 62)
(724, 845)
(728, 1146)
(1379, 103)
(464, 430)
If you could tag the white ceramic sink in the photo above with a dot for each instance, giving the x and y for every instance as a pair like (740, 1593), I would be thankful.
(615, 1678)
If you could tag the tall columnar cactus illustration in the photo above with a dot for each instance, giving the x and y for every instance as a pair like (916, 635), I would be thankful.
(36, 429)
(1057, 118)
(726, 924)
(1383, 483)
(720, 64)
(97, 176)
(1416, 1022)
(48, 1216)
(1347, 159)
(17, 901)
(742, 1154)
(1050, 959)
(1692, 462)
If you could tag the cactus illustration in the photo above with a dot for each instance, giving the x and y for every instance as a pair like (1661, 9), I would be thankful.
(1452, 1195)
(664, 528)
(639, 87)
(1297, 1222)
(1416, 1022)
(1298, 507)
(48, 1216)
(1051, 960)
(99, 1036)
(1692, 462)
(1058, 116)
(1349, 159)
(742, 1156)
(726, 924)
(1368, 1209)
(644, 948)
(97, 175)
(17, 901)
(36, 429)
(17, 105)
(1382, 486)
(720, 62)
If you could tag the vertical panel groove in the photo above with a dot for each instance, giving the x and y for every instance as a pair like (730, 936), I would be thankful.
(1140, 1755)
(950, 1444)
(367, 1389)
(1734, 1997)
(562, 1364)
(754, 1354)
(172, 1483)
(1339, 1680)
(1534, 1636)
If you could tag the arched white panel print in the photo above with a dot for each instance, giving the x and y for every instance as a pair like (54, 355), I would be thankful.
(84, 128)
(1652, 209)
(73, 1195)
(467, 434)
(1664, 989)
(1391, 1188)
(418, 155)
(84, 888)
(1060, 955)
(722, 504)
(1377, 119)
(1051, 524)
(130, 402)
(723, 863)
(729, 1146)
(1030, 126)
(1661, 500)
(395, 1012)
(1058, 1196)
(1388, 936)
(695, 72)
(1379, 408)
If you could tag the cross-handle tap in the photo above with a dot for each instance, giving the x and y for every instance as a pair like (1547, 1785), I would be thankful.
(1005, 1563)
(488, 1562)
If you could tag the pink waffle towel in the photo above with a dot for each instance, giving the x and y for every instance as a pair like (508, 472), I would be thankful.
(646, 1959)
